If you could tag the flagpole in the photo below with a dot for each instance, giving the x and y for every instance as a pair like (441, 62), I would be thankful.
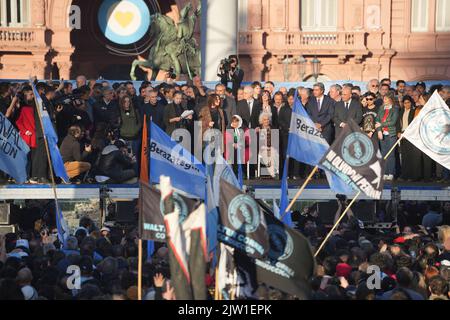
(351, 203)
(216, 291)
(300, 191)
(336, 224)
(49, 160)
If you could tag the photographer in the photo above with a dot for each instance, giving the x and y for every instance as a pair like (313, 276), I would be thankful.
(229, 71)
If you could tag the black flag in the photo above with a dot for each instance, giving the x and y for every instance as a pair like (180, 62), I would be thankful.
(357, 160)
(151, 218)
(241, 222)
(288, 262)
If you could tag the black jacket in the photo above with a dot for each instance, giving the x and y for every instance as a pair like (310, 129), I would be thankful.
(112, 162)
(108, 114)
(155, 112)
(341, 114)
(244, 112)
(324, 117)
(236, 80)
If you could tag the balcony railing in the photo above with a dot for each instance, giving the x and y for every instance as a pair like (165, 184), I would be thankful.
(21, 38)
(303, 41)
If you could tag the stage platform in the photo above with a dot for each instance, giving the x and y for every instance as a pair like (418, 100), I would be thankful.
(263, 189)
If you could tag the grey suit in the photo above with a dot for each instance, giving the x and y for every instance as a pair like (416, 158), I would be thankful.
(342, 114)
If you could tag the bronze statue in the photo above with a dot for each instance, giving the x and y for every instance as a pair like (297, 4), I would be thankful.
(172, 45)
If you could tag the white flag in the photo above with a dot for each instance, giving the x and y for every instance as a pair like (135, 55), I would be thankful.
(430, 130)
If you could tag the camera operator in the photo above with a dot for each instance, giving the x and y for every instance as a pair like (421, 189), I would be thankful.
(229, 71)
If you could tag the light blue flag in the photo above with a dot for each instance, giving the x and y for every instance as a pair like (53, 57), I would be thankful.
(240, 174)
(169, 158)
(62, 226)
(212, 213)
(13, 151)
(307, 145)
(52, 138)
(284, 201)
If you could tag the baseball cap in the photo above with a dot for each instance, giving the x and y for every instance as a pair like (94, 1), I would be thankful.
(421, 83)
(22, 243)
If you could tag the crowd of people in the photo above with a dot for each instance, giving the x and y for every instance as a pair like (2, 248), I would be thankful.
(99, 124)
(411, 261)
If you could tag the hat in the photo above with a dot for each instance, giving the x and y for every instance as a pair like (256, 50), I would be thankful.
(343, 270)
(120, 143)
(23, 243)
(421, 83)
(105, 229)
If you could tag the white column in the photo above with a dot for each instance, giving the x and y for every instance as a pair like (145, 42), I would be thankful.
(14, 13)
(3, 13)
(219, 34)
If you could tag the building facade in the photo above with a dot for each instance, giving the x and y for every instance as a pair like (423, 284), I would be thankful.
(276, 40)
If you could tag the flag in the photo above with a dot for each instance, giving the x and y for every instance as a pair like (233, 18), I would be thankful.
(290, 262)
(240, 173)
(144, 175)
(13, 151)
(430, 130)
(241, 223)
(357, 160)
(284, 200)
(52, 138)
(237, 275)
(169, 158)
(306, 144)
(222, 170)
(187, 247)
(61, 226)
(151, 217)
(287, 265)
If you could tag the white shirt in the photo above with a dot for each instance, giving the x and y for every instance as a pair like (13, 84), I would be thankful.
(405, 119)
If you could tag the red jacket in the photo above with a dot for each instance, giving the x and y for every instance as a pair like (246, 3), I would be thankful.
(25, 123)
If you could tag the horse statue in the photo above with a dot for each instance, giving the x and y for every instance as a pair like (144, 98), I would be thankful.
(172, 45)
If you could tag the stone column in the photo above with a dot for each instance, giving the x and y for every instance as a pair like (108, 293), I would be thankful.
(340, 15)
(38, 13)
(254, 15)
(219, 34)
(294, 15)
(432, 16)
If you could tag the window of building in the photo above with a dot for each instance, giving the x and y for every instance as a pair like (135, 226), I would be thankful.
(419, 16)
(14, 13)
(319, 15)
(242, 15)
(443, 15)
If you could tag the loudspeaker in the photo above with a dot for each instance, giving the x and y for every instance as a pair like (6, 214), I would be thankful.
(363, 210)
(5, 212)
(7, 229)
(126, 211)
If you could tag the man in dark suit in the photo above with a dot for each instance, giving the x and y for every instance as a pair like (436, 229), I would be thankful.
(228, 104)
(321, 110)
(345, 110)
(249, 109)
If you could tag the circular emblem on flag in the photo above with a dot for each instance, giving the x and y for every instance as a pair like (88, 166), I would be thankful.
(180, 206)
(435, 131)
(243, 212)
(281, 244)
(357, 149)
(124, 21)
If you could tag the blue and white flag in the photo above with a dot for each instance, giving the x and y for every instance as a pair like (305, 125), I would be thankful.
(62, 226)
(13, 151)
(168, 158)
(52, 138)
(430, 130)
(307, 145)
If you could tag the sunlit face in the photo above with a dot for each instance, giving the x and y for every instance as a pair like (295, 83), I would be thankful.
(235, 124)
(122, 93)
(131, 90)
(28, 95)
(401, 87)
(169, 95)
(269, 87)
(153, 97)
(416, 96)
(407, 104)
(178, 98)
(257, 90)
(278, 99)
(265, 97)
(373, 86)
(265, 121)
(248, 93)
(291, 100)
(240, 95)
(190, 92)
(346, 94)
(126, 103)
(370, 101)
(318, 92)
(387, 101)
(364, 102)
(384, 90)
(283, 90)
(220, 90)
